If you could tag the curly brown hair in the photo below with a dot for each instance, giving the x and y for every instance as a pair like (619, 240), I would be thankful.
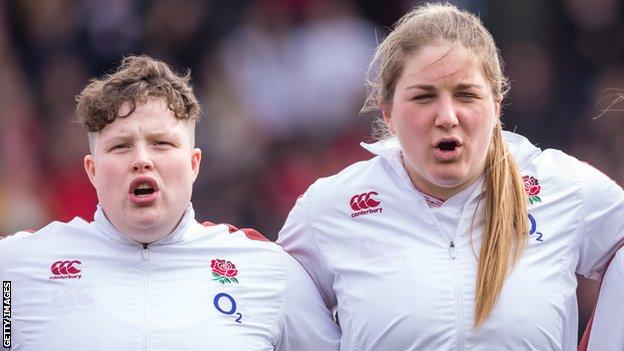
(135, 80)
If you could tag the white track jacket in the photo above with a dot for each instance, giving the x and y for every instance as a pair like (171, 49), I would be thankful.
(85, 286)
(608, 329)
(402, 275)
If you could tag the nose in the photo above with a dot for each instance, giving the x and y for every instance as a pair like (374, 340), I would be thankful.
(446, 115)
(142, 161)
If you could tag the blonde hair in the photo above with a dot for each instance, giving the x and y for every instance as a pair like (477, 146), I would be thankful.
(506, 225)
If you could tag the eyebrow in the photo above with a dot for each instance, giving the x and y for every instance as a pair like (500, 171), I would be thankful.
(126, 137)
(428, 87)
(158, 135)
(152, 135)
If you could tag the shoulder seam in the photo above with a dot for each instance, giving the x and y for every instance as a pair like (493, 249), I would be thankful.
(250, 233)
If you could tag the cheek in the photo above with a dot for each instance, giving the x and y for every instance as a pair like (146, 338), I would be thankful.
(412, 128)
(108, 177)
(482, 137)
(410, 122)
(179, 171)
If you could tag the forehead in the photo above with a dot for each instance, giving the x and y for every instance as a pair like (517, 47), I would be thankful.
(151, 117)
(443, 64)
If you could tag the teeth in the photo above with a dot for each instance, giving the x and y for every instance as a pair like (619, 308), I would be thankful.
(144, 186)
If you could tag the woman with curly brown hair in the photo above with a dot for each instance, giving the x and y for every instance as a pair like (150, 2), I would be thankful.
(145, 275)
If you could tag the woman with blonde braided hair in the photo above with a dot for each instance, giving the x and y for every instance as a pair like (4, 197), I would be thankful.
(456, 235)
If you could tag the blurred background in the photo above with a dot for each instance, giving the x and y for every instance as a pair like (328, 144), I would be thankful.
(281, 83)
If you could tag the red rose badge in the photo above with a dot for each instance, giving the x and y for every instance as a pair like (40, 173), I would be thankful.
(532, 189)
(224, 271)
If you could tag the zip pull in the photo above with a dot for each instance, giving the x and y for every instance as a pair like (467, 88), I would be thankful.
(145, 252)
(452, 250)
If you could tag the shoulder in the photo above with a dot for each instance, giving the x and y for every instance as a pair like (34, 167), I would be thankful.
(528, 156)
(565, 179)
(353, 172)
(600, 196)
(249, 250)
(596, 188)
(250, 233)
(360, 177)
(25, 249)
(231, 236)
(53, 231)
(552, 161)
(558, 168)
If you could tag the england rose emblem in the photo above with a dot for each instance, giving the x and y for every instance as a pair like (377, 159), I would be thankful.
(532, 189)
(223, 271)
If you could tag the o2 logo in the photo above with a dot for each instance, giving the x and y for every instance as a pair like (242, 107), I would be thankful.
(533, 233)
(226, 304)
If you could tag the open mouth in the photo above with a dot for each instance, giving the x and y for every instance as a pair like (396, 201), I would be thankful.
(447, 145)
(143, 187)
(448, 149)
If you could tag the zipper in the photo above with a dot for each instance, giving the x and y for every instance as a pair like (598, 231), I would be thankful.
(458, 299)
(145, 257)
(452, 250)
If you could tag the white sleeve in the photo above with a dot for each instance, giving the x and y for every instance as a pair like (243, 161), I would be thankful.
(4, 251)
(299, 238)
(306, 324)
(607, 331)
(602, 228)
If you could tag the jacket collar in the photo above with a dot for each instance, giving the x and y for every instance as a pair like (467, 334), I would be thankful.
(106, 227)
(521, 148)
(390, 150)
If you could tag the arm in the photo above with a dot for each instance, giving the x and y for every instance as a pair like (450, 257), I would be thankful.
(602, 227)
(299, 238)
(587, 295)
(608, 326)
(306, 323)
(4, 250)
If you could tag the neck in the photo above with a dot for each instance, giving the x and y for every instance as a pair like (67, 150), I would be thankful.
(146, 235)
(435, 191)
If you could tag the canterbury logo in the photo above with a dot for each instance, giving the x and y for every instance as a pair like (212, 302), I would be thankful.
(365, 203)
(65, 270)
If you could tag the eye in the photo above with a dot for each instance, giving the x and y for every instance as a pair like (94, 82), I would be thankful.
(120, 147)
(423, 97)
(163, 143)
(467, 96)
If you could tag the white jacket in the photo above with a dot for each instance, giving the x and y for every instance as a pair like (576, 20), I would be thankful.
(608, 328)
(402, 275)
(85, 286)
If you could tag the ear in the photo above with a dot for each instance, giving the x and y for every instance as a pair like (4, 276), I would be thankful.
(195, 162)
(89, 166)
(385, 112)
(388, 119)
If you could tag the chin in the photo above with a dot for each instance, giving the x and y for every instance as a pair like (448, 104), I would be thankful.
(449, 178)
(145, 220)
